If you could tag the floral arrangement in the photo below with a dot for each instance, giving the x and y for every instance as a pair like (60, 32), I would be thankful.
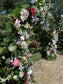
(51, 53)
(17, 66)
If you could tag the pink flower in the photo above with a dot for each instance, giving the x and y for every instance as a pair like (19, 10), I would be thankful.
(37, 19)
(35, 41)
(11, 61)
(32, 11)
(16, 62)
(29, 65)
(54, 51)
(29, 55)
(28, 9)
(29, 83)
(49, 51)
(18, 43)
(26, 80)
(33, 20)
(33, 44)
(26, 73)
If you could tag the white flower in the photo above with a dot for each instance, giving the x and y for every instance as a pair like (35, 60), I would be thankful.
(24, 14)
(12, 48)
(41, 9)
(52, 55)
(19, 31)
(15, 77)
(54, 42)
(3, 57)
(21, 67)
(27, 25)
(8, 77)
(22, 37)
(24, 43)
(41, 22)
(17, 23)
(48, 53)
(3, 80)
(30, 72)
(21, 74)
(50, 15)
(33, 1)
(24, 58)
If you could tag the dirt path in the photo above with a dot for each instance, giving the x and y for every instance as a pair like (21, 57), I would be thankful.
(49, 72)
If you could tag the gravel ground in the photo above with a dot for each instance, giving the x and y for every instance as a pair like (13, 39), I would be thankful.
(49, 72)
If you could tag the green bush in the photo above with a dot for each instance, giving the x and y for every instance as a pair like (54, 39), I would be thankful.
(36, 56)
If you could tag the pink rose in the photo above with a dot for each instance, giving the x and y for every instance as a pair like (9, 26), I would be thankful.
(16, 62)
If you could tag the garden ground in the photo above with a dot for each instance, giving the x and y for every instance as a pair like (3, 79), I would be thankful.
(49, 72)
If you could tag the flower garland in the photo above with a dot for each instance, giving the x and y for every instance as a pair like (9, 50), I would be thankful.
(19, 66)
(52, 49)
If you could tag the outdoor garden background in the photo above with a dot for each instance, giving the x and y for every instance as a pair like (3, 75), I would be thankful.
(31, 41)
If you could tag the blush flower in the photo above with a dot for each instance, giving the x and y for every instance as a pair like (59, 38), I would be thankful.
(17, 23)
(16, 62)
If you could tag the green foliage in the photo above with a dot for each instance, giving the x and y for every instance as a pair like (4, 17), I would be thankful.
(51, 58)
(36, 56)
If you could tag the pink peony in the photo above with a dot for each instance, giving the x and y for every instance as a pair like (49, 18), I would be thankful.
(33, 44)
(16, 62)
(35, 41)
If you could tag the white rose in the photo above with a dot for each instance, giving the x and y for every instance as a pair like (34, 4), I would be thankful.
(29, 72)
(22, 37)
(24, 43)
(17, 23)
(15, 77)
(21, 74)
